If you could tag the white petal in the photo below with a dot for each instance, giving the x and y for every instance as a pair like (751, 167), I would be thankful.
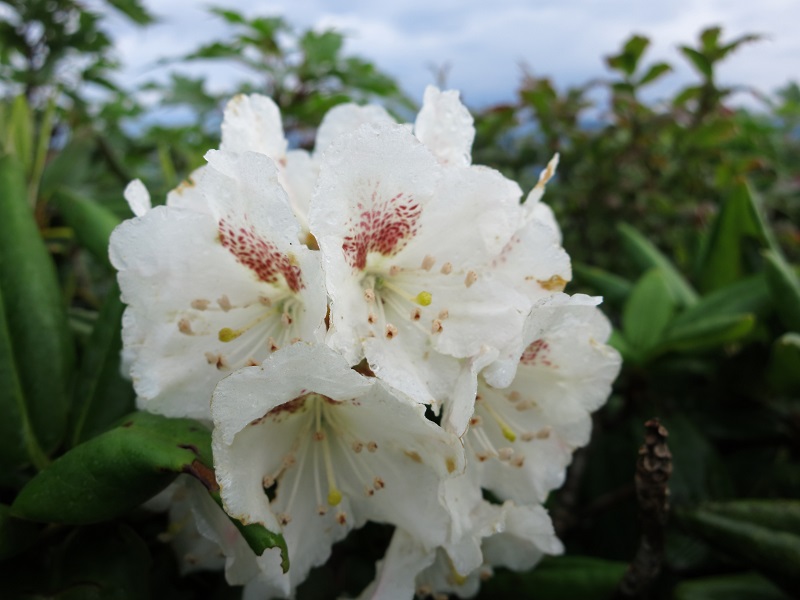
(396, 573)
(372, 187)
(446, 127)
(546, 175)
(253, 124)
(138, 197)
(528, 535)
(346, 118)
(188, 194)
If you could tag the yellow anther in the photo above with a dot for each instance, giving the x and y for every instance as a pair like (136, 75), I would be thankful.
(508, 433)
(226, 334)
(334, 497)
(423, 298)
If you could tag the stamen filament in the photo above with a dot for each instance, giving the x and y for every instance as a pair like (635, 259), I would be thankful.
(226, 334)
(508, 432)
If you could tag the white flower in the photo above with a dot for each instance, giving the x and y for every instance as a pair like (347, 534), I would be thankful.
(213, 289)
(522, 436)
(407, 248)
(306, 445)
(515, 537)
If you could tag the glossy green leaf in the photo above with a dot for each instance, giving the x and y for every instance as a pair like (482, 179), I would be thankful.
(613, 288)
(783, 371)
(773, 552)
(708, 332)
(785, 287)
(747, 586)
(738, 223)
(16, 535)
(91, 222)
(645, 254)
(559, 578)
(648, 311)
(34, 312)
(116, 471)
(101, 395)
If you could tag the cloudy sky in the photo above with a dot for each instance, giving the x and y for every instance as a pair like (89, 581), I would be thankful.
(484, 42)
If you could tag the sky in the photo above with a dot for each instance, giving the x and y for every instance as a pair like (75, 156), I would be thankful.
(483, 43)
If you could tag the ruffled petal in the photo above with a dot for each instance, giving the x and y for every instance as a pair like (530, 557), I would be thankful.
(446, 127)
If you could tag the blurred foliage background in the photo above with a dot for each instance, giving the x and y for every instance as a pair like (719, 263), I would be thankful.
(682, 213)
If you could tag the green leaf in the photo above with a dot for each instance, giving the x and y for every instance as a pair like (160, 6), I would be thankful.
(20, 133)
(120, 469)
(783, 515)
(783, 371)
(738, 221)
(699, 61)
(34, 313)
(627, 60)
(116, 471)
(655, 72)
(773, 551)
(648, 311)
(16, 535)
(749, 295)
(101, 395)
(728, 587)
(559, 578)
(708, 332)
(614, 289)
(646, 255)
(91, 222)
(134, 10)
(18, 443)
(785, 287)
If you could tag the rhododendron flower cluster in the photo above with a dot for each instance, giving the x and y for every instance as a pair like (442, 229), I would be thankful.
(317, 308)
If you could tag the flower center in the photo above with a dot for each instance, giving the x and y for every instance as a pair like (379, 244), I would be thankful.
(332, 456)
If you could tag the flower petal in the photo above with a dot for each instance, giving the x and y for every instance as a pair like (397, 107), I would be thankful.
(446, 127)
(252, 123)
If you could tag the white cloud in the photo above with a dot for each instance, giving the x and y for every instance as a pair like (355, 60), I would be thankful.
(484, 42)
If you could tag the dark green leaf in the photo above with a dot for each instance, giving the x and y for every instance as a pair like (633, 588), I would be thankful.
(34, 312)
(561, 578)
(116, 471)
(774, 552)
(648, 311)
(748, 586)
(120, 469)
(646, 256)
(785, 287)
(91, 222)
(783, 515)
(101, 395)
(614, 289)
